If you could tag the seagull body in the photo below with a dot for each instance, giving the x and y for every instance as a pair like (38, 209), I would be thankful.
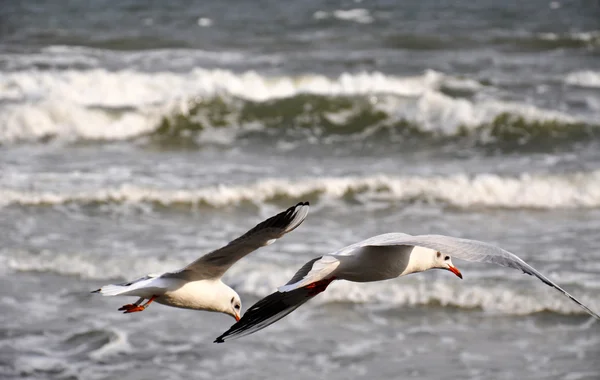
(198, 286)
(378, 258)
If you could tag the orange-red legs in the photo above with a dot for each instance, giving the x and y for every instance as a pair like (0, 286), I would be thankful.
(319, 286)
(132, 308)
(131, 305)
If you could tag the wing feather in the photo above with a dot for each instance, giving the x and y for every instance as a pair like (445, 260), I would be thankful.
(266, 312)
(214, 264)
(315, 270)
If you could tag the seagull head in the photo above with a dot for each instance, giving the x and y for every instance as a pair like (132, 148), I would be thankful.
(224, 300)
(235, 307)
(443, 261)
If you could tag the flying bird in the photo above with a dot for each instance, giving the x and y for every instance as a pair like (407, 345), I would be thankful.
(378, 258)
(198, 286)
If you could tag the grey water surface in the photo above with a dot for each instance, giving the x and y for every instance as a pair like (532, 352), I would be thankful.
(136, 136)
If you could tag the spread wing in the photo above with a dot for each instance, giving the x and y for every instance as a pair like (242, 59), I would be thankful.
(471, 250)
(311, 279)
(216, 263)
(266, 312)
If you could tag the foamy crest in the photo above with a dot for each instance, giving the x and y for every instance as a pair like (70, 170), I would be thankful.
(359, 15)
(585, 78)
(435, 112)
(483, 190)
(85, 266)
(589, 36)
(98, 104)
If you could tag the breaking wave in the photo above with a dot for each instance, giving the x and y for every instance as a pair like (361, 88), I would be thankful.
(536, 191)
(587, 78)
(102, 105)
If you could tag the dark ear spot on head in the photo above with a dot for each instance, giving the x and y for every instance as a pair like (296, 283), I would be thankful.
(438, 254)
(447, 258)
(232, 298)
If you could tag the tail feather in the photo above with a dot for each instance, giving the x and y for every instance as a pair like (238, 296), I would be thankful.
(144, 287)
(113, 290)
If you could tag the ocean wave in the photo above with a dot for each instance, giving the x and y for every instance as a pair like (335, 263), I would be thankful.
(536, 191)
(431, 114)
(586, 78)
(589, 37)
(359, 15)
(497, 298)
(492, 295)
(102, 105)
(548, 41)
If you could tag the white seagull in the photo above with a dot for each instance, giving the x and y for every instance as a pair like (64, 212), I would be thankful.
(378, 258)
(198, 286)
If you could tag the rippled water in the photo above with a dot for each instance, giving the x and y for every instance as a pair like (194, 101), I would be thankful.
(135, 137)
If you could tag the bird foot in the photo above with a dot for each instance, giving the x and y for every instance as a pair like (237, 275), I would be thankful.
(127, 307)
(134, 309)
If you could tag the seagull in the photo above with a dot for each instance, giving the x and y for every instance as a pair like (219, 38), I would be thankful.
(379, 258)
(198, 286)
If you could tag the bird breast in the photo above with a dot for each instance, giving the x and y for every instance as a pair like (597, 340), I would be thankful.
(196, 295)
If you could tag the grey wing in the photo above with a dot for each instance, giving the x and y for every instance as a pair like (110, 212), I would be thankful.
(472, 250)
(375, 240)
(216, 263)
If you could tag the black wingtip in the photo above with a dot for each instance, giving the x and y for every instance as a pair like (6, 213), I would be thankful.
(96, 291)
(219, 340)
(306, 203)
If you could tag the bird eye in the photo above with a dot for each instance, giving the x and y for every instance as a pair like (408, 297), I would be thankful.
(447, 258)
(237, 307)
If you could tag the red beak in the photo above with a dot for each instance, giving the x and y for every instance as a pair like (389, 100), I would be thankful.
(455, 271)
(237, 318)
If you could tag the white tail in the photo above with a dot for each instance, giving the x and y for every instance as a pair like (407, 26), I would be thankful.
(113, 290)
(144, 287)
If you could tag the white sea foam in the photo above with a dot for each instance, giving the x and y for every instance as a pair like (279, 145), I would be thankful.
(359, 15)
(118, 344)
(574, 190)
(586, 78)
(589, 36)
(98, 104)
(204, 22)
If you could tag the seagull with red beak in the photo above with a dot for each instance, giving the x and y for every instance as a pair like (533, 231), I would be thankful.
(379, 258)
(198, 285)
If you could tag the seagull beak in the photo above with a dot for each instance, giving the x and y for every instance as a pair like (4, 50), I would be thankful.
(455, 271)
(237, 317)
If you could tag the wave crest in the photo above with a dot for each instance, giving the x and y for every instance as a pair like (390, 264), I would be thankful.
(576, 190)
(102, 105)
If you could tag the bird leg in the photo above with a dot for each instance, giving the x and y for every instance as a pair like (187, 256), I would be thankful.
(131, 305)
(137, 307)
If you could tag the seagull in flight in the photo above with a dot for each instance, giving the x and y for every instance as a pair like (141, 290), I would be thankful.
(198, 286)
(378, 258)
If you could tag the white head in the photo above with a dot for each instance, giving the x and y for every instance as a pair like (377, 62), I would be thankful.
(442, 261)
(229, 302)
(422, 259)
